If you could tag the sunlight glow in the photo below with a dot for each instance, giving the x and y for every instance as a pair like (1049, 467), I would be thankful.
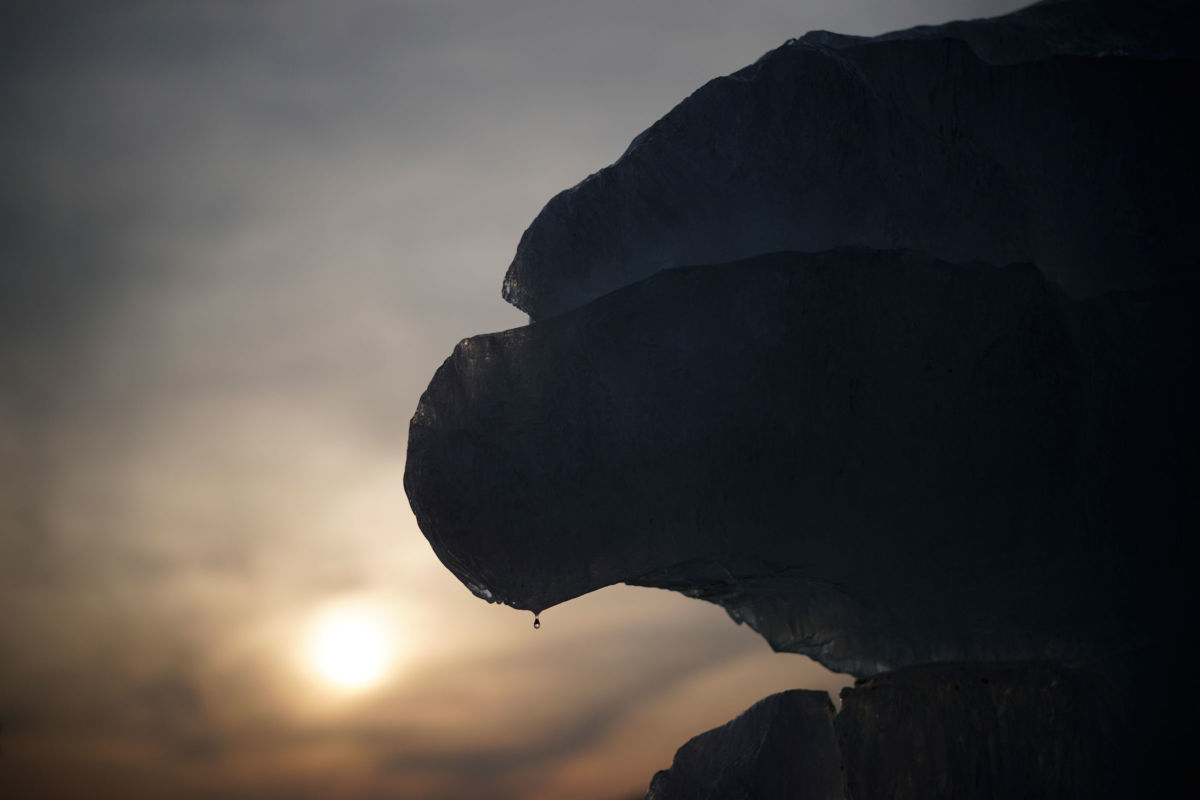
(350, 647)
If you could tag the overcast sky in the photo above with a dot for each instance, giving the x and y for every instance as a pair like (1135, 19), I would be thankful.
(236, 240)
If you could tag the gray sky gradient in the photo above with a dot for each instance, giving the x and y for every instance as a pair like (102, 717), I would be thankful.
(236, 241)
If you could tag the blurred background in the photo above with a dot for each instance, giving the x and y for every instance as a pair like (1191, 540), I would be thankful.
(236, 240)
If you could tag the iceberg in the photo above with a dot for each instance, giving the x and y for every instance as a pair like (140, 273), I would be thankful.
(888, 347)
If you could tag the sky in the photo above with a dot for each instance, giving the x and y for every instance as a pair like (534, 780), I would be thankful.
(236, 240)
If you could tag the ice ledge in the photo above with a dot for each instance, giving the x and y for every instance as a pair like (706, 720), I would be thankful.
(1081, 163)
(874, 458)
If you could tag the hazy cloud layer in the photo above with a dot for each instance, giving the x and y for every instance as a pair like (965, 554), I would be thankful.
(236, 240)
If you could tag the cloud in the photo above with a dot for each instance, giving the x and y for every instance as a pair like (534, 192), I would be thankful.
(235, 242)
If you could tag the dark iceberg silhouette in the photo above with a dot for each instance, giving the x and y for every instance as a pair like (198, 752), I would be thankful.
(996, 731)
(993, 731)
(887, 346)
(963, 148)
(782, 746)
(872, 457)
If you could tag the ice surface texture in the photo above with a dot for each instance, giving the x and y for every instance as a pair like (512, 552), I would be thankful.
(782, 746)
(933, 732)
(873, 458)
(925, 394)
(876, 457)
(963, 141)
(988, 732)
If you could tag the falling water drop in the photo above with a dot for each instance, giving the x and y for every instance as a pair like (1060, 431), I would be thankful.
(537, 623)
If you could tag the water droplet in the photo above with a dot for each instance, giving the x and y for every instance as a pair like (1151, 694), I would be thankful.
(537, 623)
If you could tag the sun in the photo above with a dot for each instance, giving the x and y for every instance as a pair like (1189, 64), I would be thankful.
(350, 647)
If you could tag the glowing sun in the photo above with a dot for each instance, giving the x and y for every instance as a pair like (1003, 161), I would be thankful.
(350, 648)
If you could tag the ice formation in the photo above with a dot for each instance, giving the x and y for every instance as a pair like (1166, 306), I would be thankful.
(963, 141)
(888, 347)
(984, 731)
(872, 457)
(782, 746)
